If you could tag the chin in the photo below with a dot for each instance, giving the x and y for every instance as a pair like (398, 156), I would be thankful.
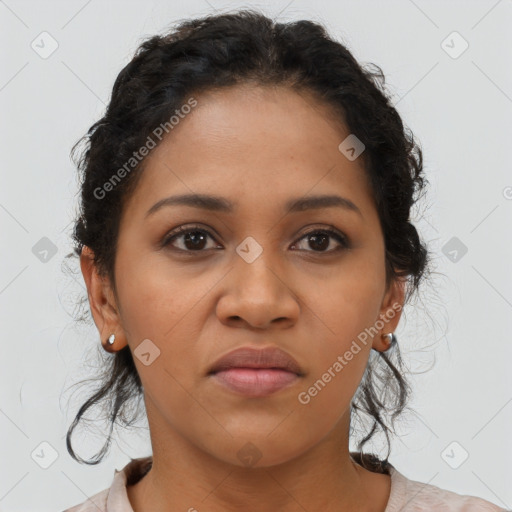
(259, 450)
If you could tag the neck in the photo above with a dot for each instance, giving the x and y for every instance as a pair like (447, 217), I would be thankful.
(183, 477)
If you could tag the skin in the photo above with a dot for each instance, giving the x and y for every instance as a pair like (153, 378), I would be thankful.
(258, 147)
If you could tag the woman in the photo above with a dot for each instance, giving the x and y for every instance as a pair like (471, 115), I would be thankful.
(245, 240)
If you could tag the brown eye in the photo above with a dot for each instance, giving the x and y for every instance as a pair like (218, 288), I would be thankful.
(320, 240)
(192, 239)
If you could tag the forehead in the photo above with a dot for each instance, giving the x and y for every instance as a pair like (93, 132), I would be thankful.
(254, 145)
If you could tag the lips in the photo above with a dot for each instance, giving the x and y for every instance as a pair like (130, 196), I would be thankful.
(266, 358)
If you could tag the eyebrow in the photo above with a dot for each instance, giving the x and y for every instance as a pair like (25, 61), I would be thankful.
(221, 204)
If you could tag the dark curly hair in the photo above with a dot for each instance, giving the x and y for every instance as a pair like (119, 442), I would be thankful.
(238, 48)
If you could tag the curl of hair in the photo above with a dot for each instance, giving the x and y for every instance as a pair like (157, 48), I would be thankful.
(232, 49)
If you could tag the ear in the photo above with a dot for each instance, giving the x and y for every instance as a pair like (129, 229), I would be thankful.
(390, 312)
(101, 300)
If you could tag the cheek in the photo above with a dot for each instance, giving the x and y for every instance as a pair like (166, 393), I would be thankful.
(165, 310)
(337, 372)
(345, 305)
(341, 315)
(157, 300)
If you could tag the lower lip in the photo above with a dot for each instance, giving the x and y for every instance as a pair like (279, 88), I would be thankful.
(255, 381)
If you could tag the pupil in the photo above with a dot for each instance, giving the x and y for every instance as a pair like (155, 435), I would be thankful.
(324, 238)
(196, 238)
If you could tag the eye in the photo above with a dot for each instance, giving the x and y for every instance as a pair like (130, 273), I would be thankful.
(193, 238)
(319, 239)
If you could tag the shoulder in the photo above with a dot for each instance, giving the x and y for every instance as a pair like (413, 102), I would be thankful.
(413, 496)
(96, 503)
(115, 497)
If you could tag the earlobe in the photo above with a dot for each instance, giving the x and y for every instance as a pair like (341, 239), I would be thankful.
(389, 316)
(102, 303)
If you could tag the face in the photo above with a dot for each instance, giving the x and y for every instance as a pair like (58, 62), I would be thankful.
(307, 280)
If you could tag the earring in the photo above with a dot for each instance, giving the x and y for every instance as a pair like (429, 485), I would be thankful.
(108, 344)
(390, 340)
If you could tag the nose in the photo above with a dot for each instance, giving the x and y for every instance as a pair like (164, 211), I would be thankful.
(257, 297)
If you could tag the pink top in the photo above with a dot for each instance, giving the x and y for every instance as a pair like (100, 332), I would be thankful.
(405, 496)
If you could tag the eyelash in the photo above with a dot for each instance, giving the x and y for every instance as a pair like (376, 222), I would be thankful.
(183, 230)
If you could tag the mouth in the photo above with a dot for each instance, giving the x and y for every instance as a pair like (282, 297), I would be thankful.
(256, 372)
(255, 381)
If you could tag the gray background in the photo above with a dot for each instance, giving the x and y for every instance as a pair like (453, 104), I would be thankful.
(456, 338)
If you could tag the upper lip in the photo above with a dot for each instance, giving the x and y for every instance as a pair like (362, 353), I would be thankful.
(248, 357)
